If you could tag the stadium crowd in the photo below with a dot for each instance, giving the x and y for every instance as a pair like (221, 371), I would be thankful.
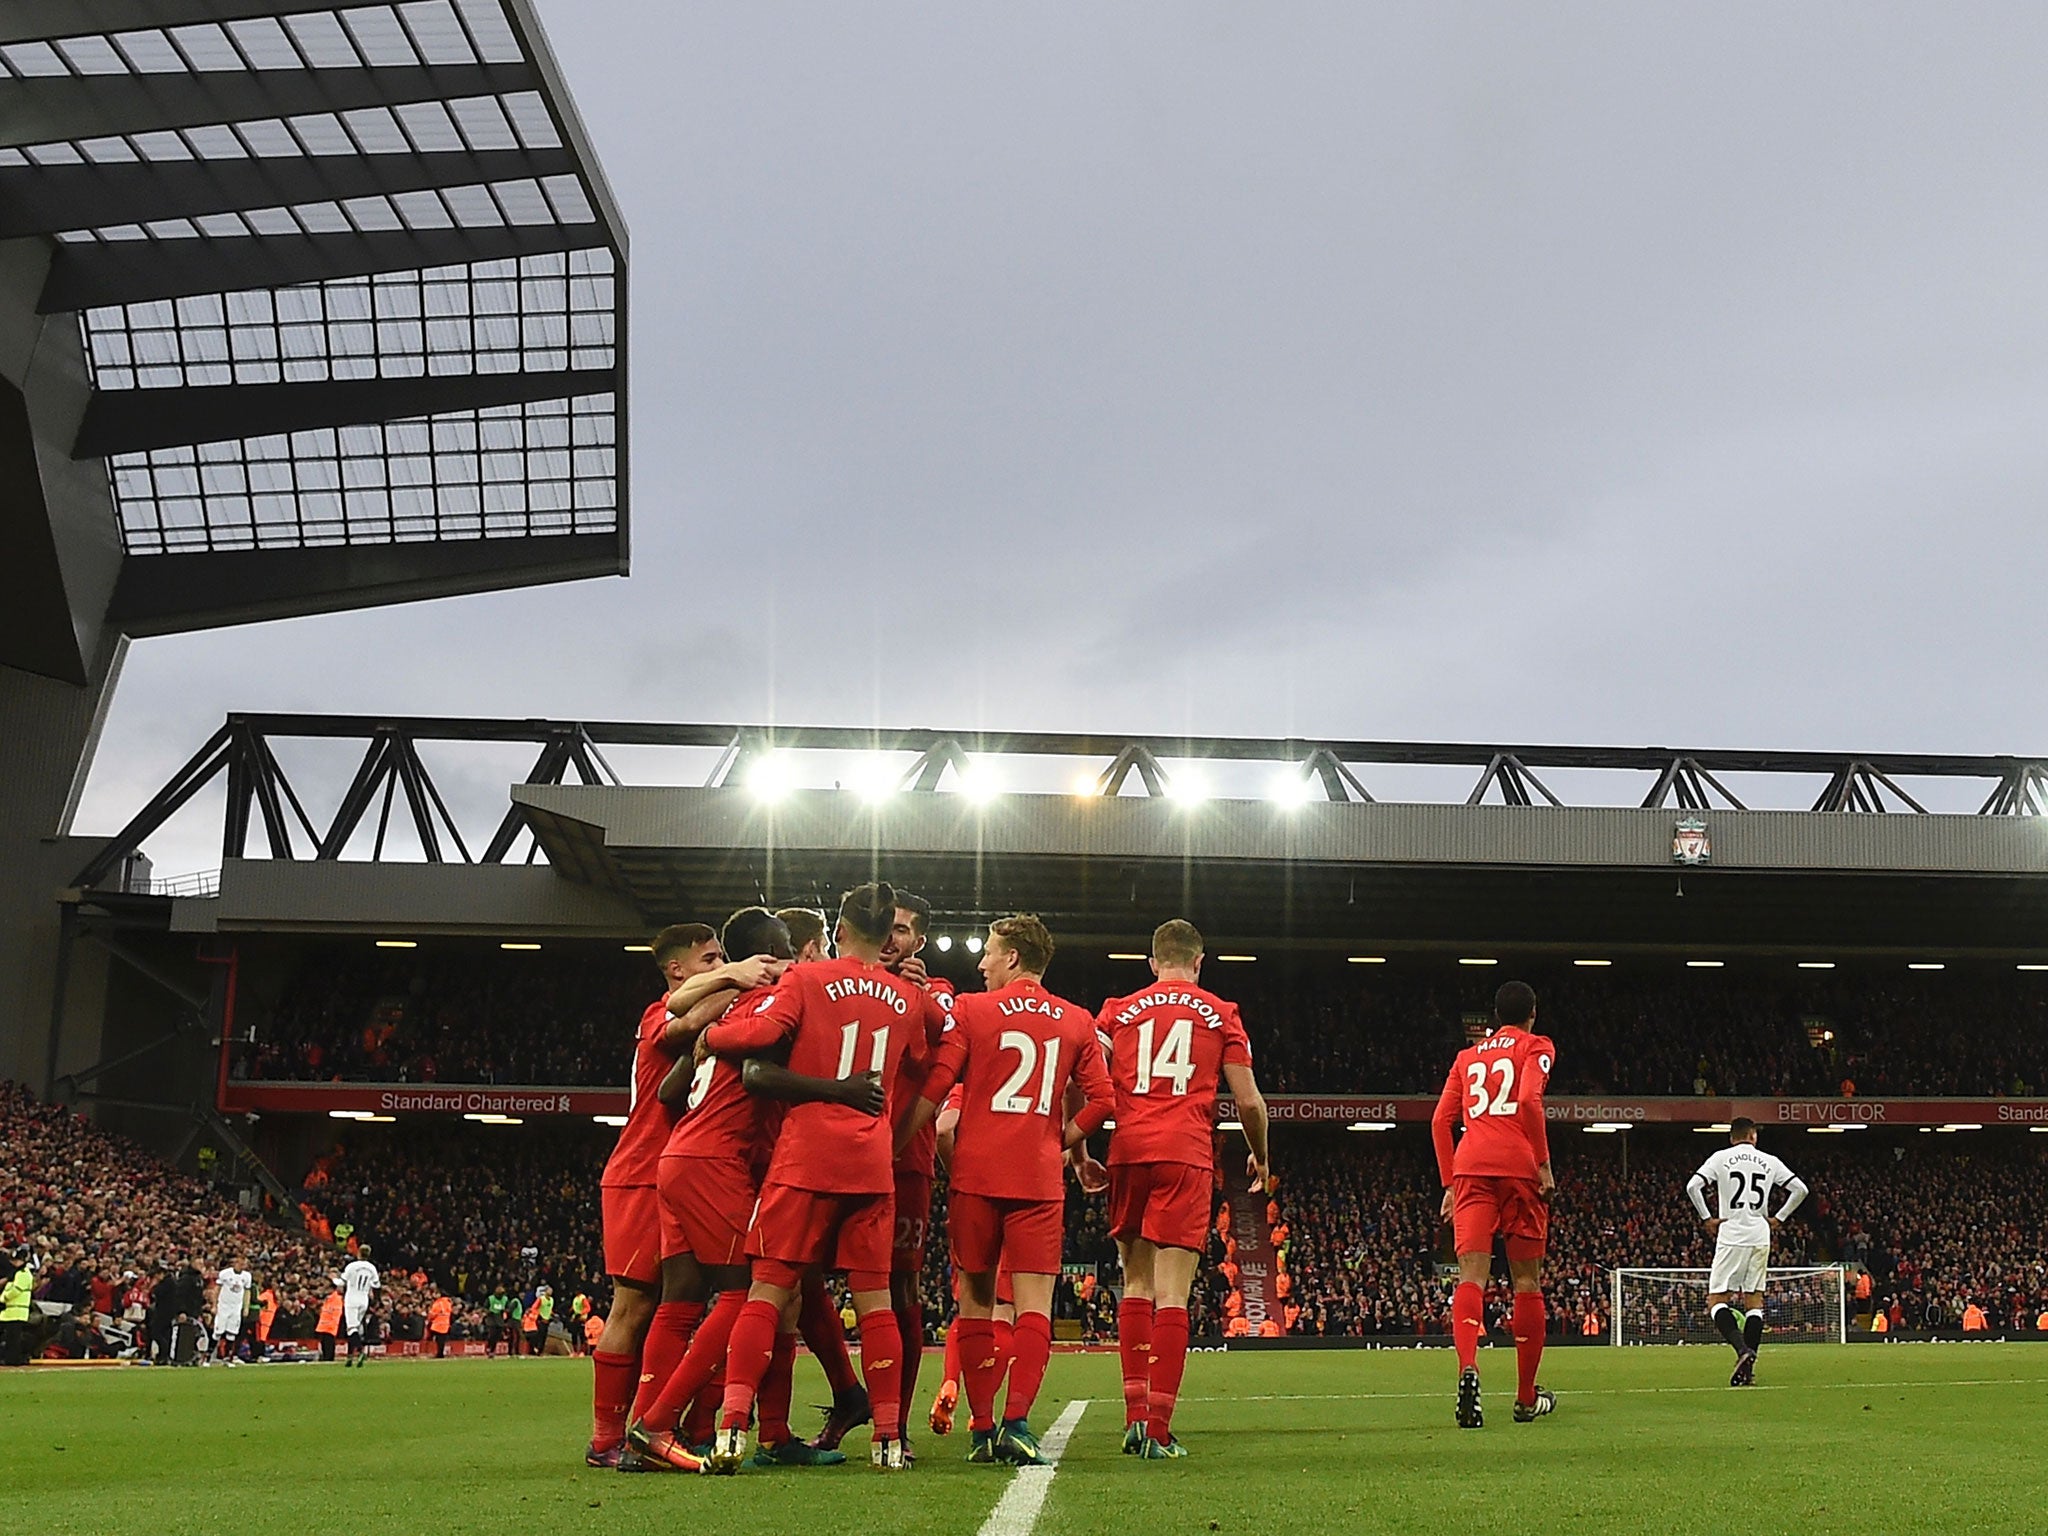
(487, 1017)
(1942, 1226)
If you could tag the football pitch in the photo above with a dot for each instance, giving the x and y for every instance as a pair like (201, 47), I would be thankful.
(1898, 1438)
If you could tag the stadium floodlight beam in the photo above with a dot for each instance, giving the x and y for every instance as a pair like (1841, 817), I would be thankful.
(1187, 787)
(1352, 959)
(771, 778)
(874, 779)
(1593, 963)
(945, 942)
(1925, 965)
(1816, 965)
(1476, 960)
(1291, 788)
(974, 944)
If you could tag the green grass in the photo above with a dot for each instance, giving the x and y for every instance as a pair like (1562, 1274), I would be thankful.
(1903, 1438)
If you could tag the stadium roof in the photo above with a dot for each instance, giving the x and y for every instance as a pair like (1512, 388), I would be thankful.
(350, 293)
(1331, 869)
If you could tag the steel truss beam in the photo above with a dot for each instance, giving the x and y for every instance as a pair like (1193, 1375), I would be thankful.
(137, 420)
(392, 774)
(90, 276)
(49, 199)
(55, 108)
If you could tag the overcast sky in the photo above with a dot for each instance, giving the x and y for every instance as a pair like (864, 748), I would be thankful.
(1620, 373)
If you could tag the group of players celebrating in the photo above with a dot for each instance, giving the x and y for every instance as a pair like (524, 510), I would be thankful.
(789, 1111)
(791, 1103)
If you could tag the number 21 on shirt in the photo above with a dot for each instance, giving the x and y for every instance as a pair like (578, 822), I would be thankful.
(1008, 1101)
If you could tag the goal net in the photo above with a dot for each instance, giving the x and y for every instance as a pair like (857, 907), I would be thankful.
(1669, 1306)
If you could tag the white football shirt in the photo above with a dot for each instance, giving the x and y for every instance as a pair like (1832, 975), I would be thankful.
(232, 1297)
(1743, 1178)
(357, 1281)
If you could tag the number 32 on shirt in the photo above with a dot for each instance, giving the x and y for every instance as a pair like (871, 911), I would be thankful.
(1501, 1099)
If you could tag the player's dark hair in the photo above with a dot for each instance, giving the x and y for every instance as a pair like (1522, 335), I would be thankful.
(1741, 1128)
(756, 931)
(1514, 1003)
(1028, 940)
(869, 910)
(678, 937)
(804, 925)
(919, 909)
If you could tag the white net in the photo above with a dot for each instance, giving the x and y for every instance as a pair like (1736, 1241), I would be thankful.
(1669, 1306)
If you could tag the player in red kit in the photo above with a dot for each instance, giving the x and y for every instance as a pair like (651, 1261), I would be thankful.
(1019, 1051)
(710, 1178)
(915, 1163)
(1170, 1047)
(829, 1195)
(692, 965)
(1497, 1183)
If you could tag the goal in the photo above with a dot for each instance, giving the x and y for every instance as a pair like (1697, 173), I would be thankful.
(1669, 1306)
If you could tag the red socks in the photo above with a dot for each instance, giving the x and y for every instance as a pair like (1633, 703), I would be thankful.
(611, 1393)
(1033, 1349)
(1529, 1320)
(772, 1407)
(1169, 1360)
(910, 1327)
(953, 1352)
(818, 1322)
(705, 1357)
(981, 1368)
(746, 1359)
(881, 1365)
(668, 1340)
(1468, 1318)
(1134, 1343)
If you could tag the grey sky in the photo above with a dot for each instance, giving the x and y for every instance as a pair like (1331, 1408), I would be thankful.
(1627, 373)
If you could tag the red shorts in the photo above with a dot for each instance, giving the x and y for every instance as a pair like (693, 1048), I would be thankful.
(632, 1233)
(1484, 1207)
(913, 1221)
(1166, 1204)
(706, 1203)
(1019, 1236)
(803, 1226)
(1006, 1295)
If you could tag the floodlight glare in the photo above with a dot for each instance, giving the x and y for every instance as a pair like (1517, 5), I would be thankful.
(978, 783)
(770, 778)
(974, 944)
(1187, 787)
(945, 942)
(1291, 788)
(874, 780)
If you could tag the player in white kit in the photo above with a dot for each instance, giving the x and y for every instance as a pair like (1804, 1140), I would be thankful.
(1743, 1177)
(230, 1301)
(358, 1281)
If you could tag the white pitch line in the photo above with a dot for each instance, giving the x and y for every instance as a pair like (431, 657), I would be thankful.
(1017, 1510)
(1810, 1386)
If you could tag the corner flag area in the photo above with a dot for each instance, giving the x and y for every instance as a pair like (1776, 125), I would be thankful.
(1901, 1437)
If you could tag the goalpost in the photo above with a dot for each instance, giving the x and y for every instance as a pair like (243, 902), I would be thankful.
(1805, 1305)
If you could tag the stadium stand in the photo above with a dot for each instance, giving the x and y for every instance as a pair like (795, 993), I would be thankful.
(468, 1015)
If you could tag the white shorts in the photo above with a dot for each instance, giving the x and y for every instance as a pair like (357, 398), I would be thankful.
(227, 1325)
(1739, 1271)
(352, 1319)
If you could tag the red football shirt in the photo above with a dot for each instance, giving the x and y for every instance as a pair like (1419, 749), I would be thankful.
(921, 1153)
(722, 1119)
(841, 1017)
(1495, 1090)
(1015, 1050)
(1168, 1046)
(637, 1157)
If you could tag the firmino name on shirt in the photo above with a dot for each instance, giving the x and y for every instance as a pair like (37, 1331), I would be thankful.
(866, 986)
(1170, 1000)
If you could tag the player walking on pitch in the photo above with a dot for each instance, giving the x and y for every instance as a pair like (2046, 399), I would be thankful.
(231, 1298)
(1743, 1177)
(1497, 1183)
(359, 1278)
(1170, 1045)
(1020, 1051)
